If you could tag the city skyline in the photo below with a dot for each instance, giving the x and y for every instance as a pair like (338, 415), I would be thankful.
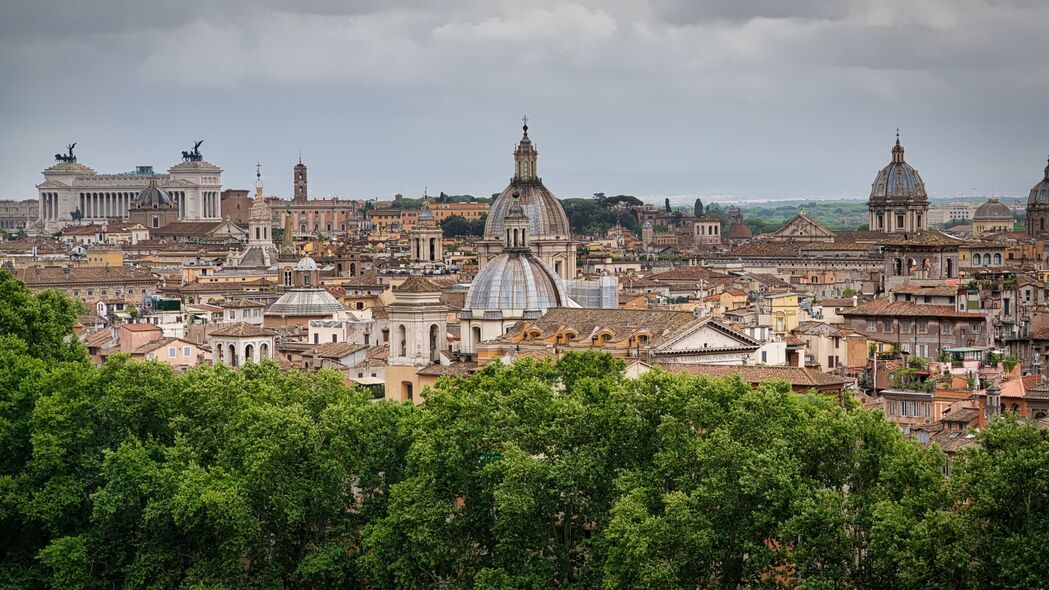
(659, 98)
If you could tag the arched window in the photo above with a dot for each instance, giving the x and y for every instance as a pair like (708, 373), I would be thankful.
(950, 268)
(435, 331)
(232, 355)
(997, 259)
(402, 340)
(249, 353)
(264, 351)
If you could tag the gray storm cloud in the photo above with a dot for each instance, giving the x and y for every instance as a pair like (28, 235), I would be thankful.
(749, 97)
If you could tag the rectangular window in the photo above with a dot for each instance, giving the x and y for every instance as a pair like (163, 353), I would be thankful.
(872, 326)
(887, 326)
(905, 326)
(947, 327)
(923, 326)
(977, 328)
(172, 352)
(185, 351)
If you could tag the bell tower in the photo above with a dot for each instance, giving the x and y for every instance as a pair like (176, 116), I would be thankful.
(525, 157)
(300, 182)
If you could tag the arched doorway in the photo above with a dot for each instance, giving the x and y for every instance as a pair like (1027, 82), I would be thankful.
(249, 353)
(264, 351)
(232, 355)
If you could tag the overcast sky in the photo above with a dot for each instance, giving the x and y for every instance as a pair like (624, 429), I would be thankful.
(749, 98)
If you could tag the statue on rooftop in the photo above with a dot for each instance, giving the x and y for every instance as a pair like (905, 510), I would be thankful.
(67, 158)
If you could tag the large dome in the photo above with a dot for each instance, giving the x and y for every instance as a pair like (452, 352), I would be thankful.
(547, 219)
(993, 210)
(515, 281)
(1040, 192)
(898, 181)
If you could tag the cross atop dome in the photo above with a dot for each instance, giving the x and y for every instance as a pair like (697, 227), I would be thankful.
(525, 156)
(897, 150)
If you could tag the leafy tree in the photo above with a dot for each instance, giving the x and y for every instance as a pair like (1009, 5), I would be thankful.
(44, 321)
(456, 226)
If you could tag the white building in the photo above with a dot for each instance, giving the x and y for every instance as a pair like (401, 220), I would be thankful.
(71, 190)
(941, 214)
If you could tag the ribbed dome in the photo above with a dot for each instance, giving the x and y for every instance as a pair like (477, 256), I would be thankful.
(305, 302)
(1040, 192)
(993, 210)
(153, 195)
(307, 264)
(898, 181)
(515, 280)
(546, 217)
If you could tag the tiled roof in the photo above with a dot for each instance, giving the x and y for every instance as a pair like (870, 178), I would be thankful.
(796, 376)
(416, 284)
(241, 303)
(84, 275)
(140, 327)
(932, 290)
(952, 441)
(686, 273)
(242, 330)
(454, 369)
(334, 349)
(885, 308)
(925, 238)
(621, 323)
(965, 415)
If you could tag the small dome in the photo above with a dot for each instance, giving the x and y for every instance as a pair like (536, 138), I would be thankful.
(1040, 192)
(993, 210)
(307, 264)
(153, 195)
(516, 280)
(426, 214)
(739, 231)
(899, 180)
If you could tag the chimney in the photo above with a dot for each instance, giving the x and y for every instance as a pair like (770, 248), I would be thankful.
(855, 300)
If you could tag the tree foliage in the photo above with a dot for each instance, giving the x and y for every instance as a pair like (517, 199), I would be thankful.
(532, 475)
(457, 226)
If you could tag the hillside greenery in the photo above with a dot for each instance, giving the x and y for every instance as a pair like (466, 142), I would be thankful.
(534, 475)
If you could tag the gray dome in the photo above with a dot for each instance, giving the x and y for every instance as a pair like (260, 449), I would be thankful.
(993, 210)
(898, 181)
(153, 195)
(305, 302)
(307, 264)
(1040, 192)
(546, 217)
(516, 281)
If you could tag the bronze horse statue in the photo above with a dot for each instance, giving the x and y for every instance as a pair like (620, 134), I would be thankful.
(194, 154)
(67, 158)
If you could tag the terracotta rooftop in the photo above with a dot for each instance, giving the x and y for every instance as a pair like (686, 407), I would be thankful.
(334, 350)
(241, 330)
(416, 284)
(932, 290)
(796, 376)
(885, 308)
(453, 370)
(140, 327)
